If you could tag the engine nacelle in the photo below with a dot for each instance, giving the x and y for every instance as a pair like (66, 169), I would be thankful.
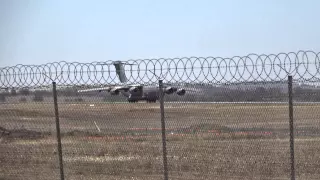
(181, 92)
(170, 90)
(114, 92)
(133, 90)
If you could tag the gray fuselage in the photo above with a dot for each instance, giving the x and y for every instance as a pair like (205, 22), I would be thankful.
(148, 93)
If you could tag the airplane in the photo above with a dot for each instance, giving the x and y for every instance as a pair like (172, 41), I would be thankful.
(135, 92)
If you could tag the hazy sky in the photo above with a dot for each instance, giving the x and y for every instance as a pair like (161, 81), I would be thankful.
(41, 31)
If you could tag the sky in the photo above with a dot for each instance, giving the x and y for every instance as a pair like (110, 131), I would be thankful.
(42, 31)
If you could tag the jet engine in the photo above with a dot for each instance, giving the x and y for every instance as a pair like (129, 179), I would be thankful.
(170, 90)
(181, 92)
(133, 90)
(114, 91)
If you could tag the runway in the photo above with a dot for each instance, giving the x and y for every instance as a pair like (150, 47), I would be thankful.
(244, 102)
(190, 102)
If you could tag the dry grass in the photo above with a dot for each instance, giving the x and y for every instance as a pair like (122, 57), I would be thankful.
(193, 152)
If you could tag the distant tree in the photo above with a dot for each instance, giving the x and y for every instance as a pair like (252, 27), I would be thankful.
(317, 96)
(13, 92)
(2, 98)
(79, 99)
(258, 94)
(260, 90)
(70, 92)
(23, 99)
(38, 96)
(25, 91)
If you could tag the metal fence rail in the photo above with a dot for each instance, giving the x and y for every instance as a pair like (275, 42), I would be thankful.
(253, 116)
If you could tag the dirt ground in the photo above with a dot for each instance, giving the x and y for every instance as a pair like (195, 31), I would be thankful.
(123, 141)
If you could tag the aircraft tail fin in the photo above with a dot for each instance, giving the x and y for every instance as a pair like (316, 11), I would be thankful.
(120, 71)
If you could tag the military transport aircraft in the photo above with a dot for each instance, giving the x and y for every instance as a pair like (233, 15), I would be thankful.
(135, 92)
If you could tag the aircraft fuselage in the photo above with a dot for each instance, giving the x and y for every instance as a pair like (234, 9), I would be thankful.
(147, 93)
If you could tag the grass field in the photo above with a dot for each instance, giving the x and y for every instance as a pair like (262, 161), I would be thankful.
(204, 141)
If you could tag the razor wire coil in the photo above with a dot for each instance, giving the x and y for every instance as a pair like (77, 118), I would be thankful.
(302, 65)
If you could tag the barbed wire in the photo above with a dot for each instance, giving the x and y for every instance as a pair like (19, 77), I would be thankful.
(302, 65)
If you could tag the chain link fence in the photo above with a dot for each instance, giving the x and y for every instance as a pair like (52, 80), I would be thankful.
(182, 118)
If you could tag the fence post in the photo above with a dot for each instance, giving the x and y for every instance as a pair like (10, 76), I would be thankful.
(291, 127)
(55, 99)
(163, 130)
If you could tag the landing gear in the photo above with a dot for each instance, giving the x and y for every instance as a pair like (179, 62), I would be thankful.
(132, 101)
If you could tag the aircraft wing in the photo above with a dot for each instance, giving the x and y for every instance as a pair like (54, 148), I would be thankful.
(109, 88)
(95, 89)
(125, 87)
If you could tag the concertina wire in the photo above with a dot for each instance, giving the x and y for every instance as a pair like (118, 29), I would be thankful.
(302, 65)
